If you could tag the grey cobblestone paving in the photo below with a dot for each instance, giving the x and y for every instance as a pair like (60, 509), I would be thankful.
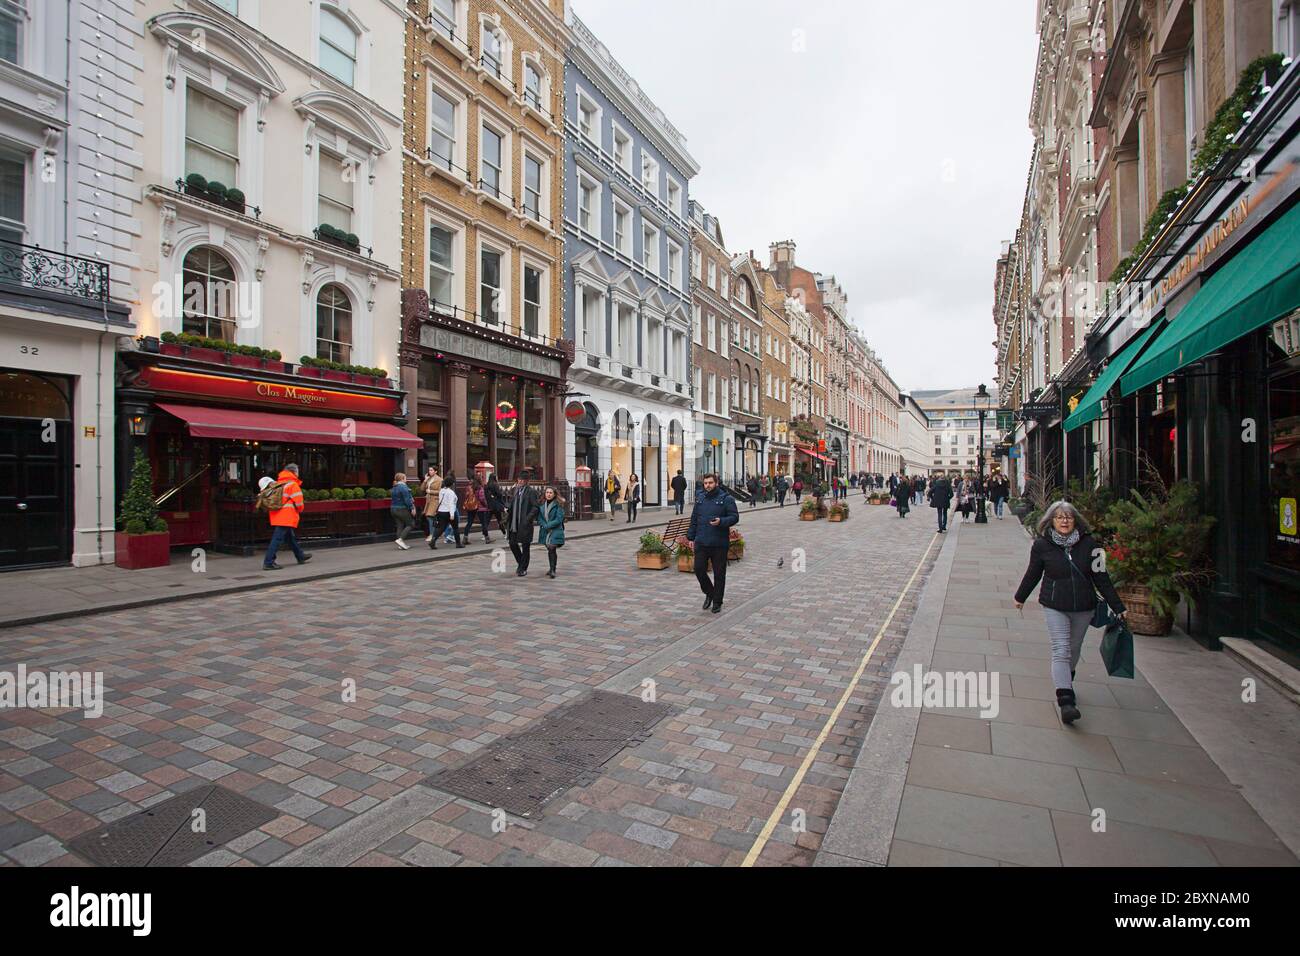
(249, 689)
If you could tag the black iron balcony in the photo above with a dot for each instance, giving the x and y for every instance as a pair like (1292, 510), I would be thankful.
(31, 267)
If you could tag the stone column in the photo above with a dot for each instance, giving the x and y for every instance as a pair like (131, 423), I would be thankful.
(457, 437)
(1170, 97)
(409, 356)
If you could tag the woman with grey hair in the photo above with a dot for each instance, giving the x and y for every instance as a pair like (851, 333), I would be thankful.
(1072, 567)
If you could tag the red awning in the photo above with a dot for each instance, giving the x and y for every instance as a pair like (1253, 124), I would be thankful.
(813, 454)
(300, 429)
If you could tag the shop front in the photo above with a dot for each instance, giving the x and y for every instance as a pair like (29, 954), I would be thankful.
(211, 430)
(487, 401)
(748, 452)
(1203, 374)
(711, 453)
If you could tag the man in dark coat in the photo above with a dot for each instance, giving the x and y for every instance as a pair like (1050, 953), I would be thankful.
(521, 514)
(679, 491)
(711, 520)
(940, 498)
(782, 485)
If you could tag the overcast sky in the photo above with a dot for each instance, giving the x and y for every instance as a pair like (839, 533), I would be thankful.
(888, 138)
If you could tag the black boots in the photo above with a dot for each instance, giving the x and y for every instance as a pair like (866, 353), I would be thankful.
(1065, 700)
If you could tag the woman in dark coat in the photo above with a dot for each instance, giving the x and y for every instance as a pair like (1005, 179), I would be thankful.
(550, 525)
(1072, 567)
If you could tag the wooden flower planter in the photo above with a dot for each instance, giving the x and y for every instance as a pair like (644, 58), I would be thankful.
(686, 563)
(1143, 618)
(138, 551)
(651, 562)
(808, 516)
(835, 517)
(735, 554)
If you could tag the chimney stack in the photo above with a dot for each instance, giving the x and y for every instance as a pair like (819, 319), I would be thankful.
(782, 251)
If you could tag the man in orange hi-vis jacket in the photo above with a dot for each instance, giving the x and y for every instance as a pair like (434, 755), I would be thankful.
(285, 519)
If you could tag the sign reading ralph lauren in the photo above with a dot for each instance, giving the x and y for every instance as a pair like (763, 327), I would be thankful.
(494, 353)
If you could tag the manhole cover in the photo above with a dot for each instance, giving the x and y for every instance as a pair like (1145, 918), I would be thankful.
(567, 747)
(163, 835)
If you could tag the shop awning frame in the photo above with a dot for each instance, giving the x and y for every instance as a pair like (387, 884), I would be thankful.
(1089, 408)
(1257, 286)
(239, 425)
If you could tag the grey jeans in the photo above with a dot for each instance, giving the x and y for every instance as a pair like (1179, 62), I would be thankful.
(1067, 630)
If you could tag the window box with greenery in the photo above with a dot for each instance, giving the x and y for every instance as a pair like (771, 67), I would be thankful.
(313, 367)
(338, 237)
(653, 553)
(142, 540)
(1159, 552)
(219, 194)
(218, 350)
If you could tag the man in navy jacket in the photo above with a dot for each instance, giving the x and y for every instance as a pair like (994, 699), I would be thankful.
(711, 520)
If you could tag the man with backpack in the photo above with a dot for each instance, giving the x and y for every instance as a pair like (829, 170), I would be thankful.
(283, 502)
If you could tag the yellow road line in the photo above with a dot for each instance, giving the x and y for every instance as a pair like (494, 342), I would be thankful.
(766, 833)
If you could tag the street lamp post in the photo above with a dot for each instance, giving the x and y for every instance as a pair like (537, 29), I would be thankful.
(982, 402)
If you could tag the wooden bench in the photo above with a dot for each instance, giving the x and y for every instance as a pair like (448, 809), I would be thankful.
(677, 528)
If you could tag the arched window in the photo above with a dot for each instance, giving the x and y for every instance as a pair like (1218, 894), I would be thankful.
(623, 428)
(334, 325)
(211, 301)
(338, 47)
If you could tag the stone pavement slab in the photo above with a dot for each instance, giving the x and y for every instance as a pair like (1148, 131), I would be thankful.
(1126, 785)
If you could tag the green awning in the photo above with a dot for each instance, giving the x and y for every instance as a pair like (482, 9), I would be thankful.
(1090, 407)
(1257, 286)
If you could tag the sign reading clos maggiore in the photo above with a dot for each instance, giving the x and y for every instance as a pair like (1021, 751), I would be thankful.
(445, 340)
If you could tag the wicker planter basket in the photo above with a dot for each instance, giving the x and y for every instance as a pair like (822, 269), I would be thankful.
(1143, 618)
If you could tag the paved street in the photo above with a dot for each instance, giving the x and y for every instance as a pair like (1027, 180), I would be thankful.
(246, 690)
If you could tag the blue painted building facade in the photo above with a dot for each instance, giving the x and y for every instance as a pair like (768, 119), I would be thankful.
(627, 247)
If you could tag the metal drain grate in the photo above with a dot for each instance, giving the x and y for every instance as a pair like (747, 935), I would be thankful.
(523, 772)
(163, 836)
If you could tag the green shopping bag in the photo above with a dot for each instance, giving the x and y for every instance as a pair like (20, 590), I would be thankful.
(1117, 650)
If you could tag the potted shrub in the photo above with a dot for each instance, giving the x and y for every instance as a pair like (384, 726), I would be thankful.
(143, 541)
(735, 545)
(653, 554)
(196, 186)
(235, 200)
(245, 356)
(685, 556)
(838, 511)
(808, 510)
(1159, 553)
(216, 192)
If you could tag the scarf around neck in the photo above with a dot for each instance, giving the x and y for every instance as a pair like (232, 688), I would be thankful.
(1065, 540)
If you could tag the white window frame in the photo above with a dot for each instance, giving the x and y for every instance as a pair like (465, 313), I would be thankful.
(544, 290)
(674, 264)
(593, 228)
(724, 284)
(697, 322)
(240, 116)
(544, 183)
(504, 299)
(624, 164)
(531, 62)
(650, 242)
(628, 242)
(457, 257)
(585, 99)
(345, 162)
(504, 193)
(460, 111)
(713, 275)
(696, 263)
(361, 72)
(650, 171)
(712, 396)
(713, 332)
(676, 203)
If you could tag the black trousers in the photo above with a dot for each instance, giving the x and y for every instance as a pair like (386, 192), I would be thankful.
(482, 514)
(717, 556)
(444, 520)
(780, 498)
(520, 547)
(679, 504)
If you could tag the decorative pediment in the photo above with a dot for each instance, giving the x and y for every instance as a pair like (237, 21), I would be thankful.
(625, 282)
(653, 300)
(338, 114)
(213, 43)
(588, 264)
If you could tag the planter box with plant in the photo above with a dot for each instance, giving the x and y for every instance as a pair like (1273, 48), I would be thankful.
(808, 510)
(217, 350)
(685, 556)
(652, 554)
(1159, 552)
(735, 545)
(338, 371)
(338, 237)
(838, 511)
(143, 540)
